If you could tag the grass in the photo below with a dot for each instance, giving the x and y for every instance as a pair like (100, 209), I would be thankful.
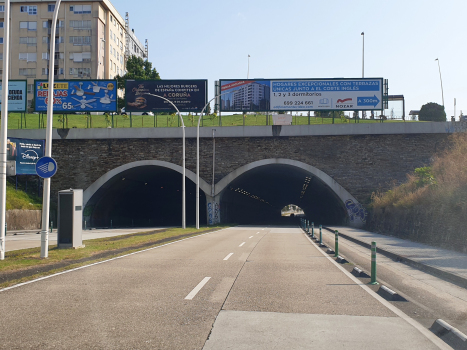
(95, 250)
(80, 121)
(17, 199)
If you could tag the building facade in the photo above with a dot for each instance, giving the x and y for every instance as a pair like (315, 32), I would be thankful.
(90, 40)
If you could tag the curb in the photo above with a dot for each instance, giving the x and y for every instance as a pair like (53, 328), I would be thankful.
(445, 275)
(449, 334)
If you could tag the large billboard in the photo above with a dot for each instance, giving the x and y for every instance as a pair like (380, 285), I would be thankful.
(301, 94)
(17, 95)
(24, 153)
(77, 96)
(187, 95)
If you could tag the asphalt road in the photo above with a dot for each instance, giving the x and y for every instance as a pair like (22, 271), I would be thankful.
(238, 288)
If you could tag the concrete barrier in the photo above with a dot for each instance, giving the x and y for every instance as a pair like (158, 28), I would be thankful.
(452, 336)
(17, 219)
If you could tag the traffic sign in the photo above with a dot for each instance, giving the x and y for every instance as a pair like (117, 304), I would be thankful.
(46, 167)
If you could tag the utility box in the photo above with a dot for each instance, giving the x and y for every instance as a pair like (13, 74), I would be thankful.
(70, 219)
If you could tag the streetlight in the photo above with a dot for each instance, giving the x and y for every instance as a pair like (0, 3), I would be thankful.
(442, 93)
(183, 156)
(248, 71)
(197, 156)
(4, 135)
(363, 55)
(48, 139)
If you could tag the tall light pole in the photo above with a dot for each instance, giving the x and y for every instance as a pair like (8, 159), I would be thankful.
(197, 156)
(48, 138)
(248, 71)
(441, 80)
(183, 156)
(4, 131)
(363, 55)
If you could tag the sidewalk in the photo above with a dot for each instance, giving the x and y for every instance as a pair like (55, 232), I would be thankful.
(443, 263)
(24, 239)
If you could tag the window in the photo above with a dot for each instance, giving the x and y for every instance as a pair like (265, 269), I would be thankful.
(30, 10)
(78, 9)
(28, 40)
(1, 40)
(45, 55)
(80, 56)
(1, 24)
(111, 19)
(80, 72)
(51, 8)
(58, 55)
(29, 56)
(30, 88)
(45, 71)
(2, 8)
(27, 71)
(28, 25)
(59, 40)
(1, 56)
(80, 40)
(80, 24)
(45, 40)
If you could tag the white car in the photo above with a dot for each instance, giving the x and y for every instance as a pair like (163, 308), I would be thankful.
(122, 112)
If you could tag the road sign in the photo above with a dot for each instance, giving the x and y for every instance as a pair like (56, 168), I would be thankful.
(46, 167)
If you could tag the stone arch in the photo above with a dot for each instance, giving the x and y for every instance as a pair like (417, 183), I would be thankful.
(96, 185)
(355, 211)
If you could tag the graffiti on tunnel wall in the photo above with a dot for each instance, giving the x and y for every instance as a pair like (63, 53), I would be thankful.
(356, 211)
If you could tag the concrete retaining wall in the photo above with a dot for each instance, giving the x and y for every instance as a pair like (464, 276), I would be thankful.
(17, 219)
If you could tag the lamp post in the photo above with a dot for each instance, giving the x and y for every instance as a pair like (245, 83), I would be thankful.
(441, 80)
(4, 131)
(248, 71)
(363, 55)
(48, 139)
(197, 156)
(103, 63)
(183, 156)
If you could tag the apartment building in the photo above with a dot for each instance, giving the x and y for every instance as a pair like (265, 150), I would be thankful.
(90, 40)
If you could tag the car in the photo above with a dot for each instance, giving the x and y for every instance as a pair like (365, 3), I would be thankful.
(122, 112)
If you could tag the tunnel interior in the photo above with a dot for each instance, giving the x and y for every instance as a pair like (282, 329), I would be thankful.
(144, 196)
(258, 195)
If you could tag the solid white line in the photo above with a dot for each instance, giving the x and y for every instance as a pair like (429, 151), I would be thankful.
(242, 244)
(104, 261)
(251, 236)
(431, 336)
(197, 288)
(228, 256)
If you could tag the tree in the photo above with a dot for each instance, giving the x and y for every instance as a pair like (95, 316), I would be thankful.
(432, 112)
(136, 69)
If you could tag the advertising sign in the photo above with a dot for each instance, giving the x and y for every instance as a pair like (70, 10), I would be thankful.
(17, 95)
(302, 94)
(187, 95)
(25, 153)
(77, 96)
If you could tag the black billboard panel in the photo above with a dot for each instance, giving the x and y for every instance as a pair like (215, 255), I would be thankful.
(187, 95)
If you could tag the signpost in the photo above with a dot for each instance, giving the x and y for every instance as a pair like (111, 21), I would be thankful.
(46, 167)
(302, 94)
(72, 96)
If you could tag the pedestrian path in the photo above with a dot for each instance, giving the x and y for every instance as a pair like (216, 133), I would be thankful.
(443, 260)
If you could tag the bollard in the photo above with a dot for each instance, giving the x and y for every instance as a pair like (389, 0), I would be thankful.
(336, 245)
(51, 226)
(373, 263)
(312, 230)
(111, 224)
(85, 224)
(320, 234)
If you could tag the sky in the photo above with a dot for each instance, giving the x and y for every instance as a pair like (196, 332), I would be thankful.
(311, 39)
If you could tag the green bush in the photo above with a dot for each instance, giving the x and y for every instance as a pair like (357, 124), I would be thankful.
(432, 112)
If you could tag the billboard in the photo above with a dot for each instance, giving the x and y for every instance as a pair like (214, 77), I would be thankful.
(187, 95)
(25, 153)
(301, 94)
(17, 95)
(77, 96)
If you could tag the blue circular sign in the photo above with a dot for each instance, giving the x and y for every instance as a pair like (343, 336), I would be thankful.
(46, 167)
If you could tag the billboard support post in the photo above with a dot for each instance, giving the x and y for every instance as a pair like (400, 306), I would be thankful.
(183, 159)
(48, 142)
(4, 123)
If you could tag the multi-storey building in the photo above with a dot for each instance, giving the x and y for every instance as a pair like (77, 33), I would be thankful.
(90, 40)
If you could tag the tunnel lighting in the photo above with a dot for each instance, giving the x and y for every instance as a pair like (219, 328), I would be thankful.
(145, 183)
(305, 186)
(123, 178)
(162, 187)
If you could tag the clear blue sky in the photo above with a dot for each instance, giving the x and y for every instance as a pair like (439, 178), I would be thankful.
(311, 39)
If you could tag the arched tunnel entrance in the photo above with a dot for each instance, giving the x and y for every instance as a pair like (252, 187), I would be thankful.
(258, 195)
(143, 196)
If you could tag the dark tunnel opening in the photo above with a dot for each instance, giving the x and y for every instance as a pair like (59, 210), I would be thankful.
(144, 196)
(257, 197)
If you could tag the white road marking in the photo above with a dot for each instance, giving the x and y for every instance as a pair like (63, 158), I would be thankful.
(242, 244)
(197, 288)
(228, 256)
(251, 236)
(104, 261)
(257, 232)
(431, 336)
